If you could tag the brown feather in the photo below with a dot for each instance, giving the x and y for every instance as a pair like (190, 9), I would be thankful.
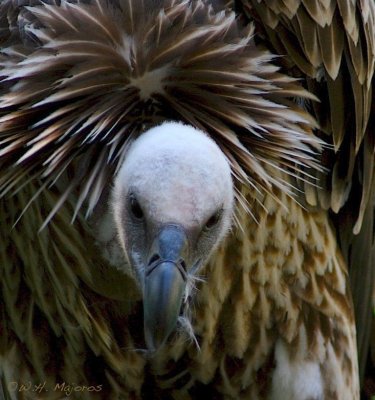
(65, 115)
(80, 81)
(321, 59)
(338, 68)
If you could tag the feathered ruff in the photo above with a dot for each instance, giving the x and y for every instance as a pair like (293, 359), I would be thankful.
(81, 80)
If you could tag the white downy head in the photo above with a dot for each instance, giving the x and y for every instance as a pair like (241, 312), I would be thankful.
(173, 204)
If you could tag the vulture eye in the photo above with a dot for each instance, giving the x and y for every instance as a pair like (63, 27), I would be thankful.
(135, 208)
(213, 220)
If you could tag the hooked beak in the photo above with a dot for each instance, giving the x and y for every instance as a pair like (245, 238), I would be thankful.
(164, 286)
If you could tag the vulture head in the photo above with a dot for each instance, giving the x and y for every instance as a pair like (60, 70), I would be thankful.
(172, 202)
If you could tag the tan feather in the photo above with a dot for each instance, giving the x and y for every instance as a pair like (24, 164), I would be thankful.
(344, 52)
(70, 61)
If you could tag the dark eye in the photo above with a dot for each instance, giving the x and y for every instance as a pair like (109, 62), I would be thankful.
(135, 208)
(213, 220)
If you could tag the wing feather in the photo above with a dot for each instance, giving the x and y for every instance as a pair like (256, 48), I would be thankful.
(330, 44)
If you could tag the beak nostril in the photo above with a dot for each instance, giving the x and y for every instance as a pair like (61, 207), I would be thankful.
(153, 259)
(183, 264)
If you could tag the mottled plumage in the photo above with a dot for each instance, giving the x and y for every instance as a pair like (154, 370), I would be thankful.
(284, 89)
(331, 45)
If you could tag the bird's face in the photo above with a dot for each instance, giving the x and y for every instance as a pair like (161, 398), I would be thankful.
(173, 203)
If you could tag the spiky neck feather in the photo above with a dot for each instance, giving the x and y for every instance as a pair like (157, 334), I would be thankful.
(94, 97)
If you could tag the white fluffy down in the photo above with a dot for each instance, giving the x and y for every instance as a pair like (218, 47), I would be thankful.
(295, 380)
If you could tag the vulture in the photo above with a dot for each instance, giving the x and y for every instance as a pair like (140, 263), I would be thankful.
(187, 199)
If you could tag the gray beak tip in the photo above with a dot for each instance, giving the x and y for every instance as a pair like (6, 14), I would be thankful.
(164, 291)
(164, 285)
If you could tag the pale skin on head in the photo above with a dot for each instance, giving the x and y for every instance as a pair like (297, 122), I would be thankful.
(179, 175)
